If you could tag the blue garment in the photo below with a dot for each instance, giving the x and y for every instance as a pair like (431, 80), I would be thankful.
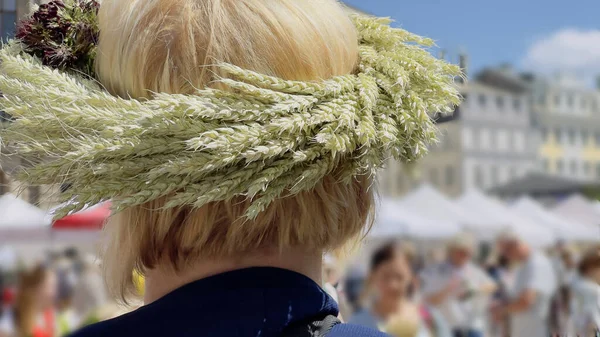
(467, 333)
(254, 302)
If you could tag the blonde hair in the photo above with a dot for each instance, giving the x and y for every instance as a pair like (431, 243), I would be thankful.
(172, 46)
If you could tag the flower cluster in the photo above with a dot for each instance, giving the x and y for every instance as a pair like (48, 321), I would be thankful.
(63, 34)
(261, 138)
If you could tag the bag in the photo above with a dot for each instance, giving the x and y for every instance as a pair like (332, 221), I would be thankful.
(311, 328)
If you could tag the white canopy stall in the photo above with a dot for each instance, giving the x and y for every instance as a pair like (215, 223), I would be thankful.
(21, 221)
(492, 210)
(579, 209)
(395, 221)
(428, 202)
(569, 230)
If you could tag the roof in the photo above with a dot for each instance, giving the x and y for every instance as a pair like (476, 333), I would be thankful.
(543, 184)
(503, 79)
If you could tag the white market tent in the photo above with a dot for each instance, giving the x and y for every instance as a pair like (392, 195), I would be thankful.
(431, 204)
(579, 209)
(21, 221)
(493, 210)
(569, 230)
(8, 258)
(395, 221)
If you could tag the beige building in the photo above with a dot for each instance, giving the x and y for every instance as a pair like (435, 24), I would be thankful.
(489, 142)
(441, 168)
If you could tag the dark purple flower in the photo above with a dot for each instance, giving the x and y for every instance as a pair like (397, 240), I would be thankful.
(63, 34)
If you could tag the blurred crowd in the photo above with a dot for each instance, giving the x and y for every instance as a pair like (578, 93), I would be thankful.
(53, 298)
(462, 290)
(512, 290)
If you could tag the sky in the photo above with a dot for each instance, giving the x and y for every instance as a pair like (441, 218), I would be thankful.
(545, 36)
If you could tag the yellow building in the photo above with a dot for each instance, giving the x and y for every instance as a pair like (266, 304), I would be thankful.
(567, 114)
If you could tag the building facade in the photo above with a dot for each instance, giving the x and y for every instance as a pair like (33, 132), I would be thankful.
(489, 142)
(498, 141)
(567, 113)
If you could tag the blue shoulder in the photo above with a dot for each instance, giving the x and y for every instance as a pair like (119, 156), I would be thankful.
(112, 328)
(353, 330)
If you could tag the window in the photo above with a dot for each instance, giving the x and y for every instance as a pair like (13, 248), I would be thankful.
(482, 100)
(467, 138)
(571, 133)
(560, 166)
(449, 176)
(502, 143)
(546, 165)
(494, 174)
(544, 133)
(583, 103)
(594, 105)
(8, 19)
(512, 173)
(500, 102)
(587, 168)
(570, 100)
(557, 99)
(478, 174)
(34, 195)
(517, 104)
(485, 141)
(542, 100)
(518, 140)
(558, 135)
(446, 143)
(584, 136)
(433, 176)
(574, 167)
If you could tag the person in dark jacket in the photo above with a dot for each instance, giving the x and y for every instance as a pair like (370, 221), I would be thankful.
(210, 271)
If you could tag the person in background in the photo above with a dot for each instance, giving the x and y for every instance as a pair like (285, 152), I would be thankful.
(531, 291)
(586, 296)
(333, 286)
(34, 313)
(68, 318)
(354, 281)
(563, 298)
(499, 269)
(459, 289)
(6, 312)
(387, 306)
(331, 277)
(416, 265)
(89, 295)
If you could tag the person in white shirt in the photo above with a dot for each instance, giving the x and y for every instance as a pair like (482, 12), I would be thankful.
(586, 296)
(530, 296)
(459, 289)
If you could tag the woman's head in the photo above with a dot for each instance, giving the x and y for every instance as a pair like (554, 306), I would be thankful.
(589, 265)
(390, 273)
(172, 46)
(460, 250)
(37, 291)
